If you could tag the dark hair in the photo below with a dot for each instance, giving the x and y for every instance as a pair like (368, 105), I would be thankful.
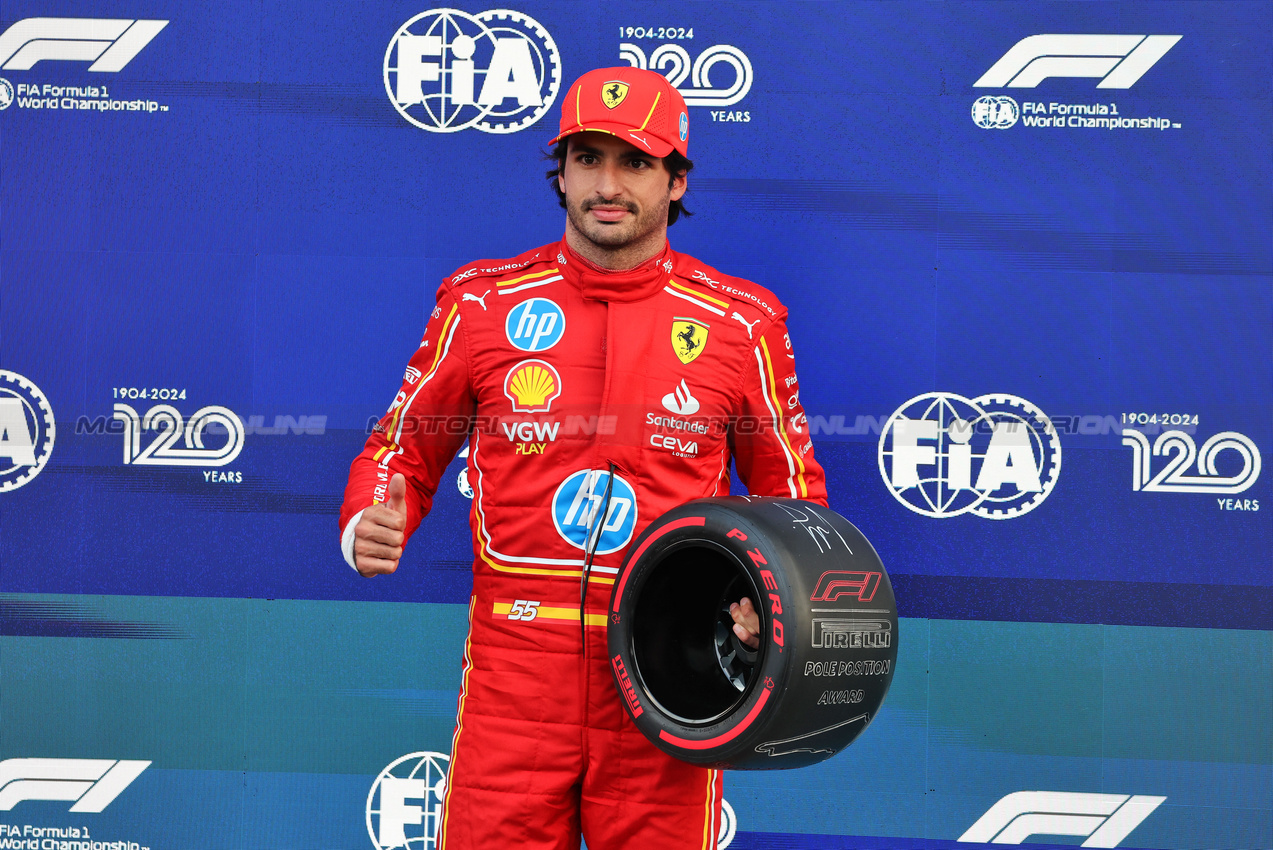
(673, 162)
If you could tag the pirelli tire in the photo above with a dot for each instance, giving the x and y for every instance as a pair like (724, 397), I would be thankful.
(828, 623)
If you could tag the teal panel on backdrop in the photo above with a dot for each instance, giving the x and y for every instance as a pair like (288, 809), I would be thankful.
(265, 720)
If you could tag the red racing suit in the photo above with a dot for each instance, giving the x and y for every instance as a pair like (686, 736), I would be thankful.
(593, 403)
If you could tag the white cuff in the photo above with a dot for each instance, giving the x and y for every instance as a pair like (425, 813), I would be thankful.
(347, 539)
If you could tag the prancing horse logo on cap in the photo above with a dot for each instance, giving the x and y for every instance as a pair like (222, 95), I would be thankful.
(613, 92)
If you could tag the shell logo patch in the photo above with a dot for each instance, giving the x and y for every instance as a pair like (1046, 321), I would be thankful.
(613, 93)
(532, 386)
(689, 337)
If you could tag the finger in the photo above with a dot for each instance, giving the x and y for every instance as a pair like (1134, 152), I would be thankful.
(750, 619)
(370, 567)
(752, 641)
(383, 516)
(379, 534)
(398, 494)
(364, 548)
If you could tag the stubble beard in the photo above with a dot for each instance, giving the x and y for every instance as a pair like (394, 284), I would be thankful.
(619, 234)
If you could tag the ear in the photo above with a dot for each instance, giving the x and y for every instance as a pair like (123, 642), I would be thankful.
(561, 175)
(679, 185)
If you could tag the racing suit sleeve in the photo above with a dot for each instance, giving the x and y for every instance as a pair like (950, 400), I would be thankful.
(770, 441)
(422, 430)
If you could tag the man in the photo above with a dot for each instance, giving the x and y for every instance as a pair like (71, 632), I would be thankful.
(601, 381)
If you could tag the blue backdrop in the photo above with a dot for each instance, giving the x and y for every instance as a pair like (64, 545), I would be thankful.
(221, 230)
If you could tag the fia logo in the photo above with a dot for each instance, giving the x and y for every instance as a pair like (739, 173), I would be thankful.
(163, 450)
(995, 113)
(109, 43)
(673, 61)
(27, 430)
(416, 777)
(497, 71)
(1174, 476)
(1117, 60)
(996, 456)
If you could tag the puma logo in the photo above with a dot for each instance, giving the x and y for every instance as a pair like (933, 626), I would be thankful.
(747, 324)
(469, 296)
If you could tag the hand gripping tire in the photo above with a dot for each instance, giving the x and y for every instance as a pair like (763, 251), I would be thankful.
(828, 633)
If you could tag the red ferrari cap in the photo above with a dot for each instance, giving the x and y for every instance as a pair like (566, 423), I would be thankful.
(640, 107)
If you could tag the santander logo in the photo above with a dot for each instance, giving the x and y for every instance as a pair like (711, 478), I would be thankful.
(681, 401)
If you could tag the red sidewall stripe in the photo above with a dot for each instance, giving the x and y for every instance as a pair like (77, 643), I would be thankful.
(724, 737)
(684, 522)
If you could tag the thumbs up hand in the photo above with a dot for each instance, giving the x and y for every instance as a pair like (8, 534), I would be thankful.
(380, 532)
(398, 496)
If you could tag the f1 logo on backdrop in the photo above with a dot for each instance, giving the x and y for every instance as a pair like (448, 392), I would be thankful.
(109, 43)
(497, 71)
(1105, 819)
(91, 784)
(996, 456)
(1117, 60)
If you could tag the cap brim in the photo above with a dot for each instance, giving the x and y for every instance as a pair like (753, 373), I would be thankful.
(639, 139)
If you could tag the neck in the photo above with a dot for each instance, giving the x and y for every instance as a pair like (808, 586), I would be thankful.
(620, 258)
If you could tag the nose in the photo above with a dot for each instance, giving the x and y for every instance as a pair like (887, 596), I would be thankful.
(609, 183)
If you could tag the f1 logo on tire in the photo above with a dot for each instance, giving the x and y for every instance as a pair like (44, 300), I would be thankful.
(834, 584)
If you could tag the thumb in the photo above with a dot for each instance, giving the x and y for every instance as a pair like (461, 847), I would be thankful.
(398, 494)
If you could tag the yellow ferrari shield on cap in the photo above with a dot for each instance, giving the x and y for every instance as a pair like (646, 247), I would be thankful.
(613, 92)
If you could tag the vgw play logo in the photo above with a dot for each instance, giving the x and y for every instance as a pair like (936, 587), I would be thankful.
(497, 71)
(996, 456)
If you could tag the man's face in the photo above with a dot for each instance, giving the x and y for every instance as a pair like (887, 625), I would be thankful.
(615, 193)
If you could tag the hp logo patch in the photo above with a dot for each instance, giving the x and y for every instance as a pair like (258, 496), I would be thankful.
(536, 324)
(26, 430)
(576, 506)
(995, 113)
(498, 71)
(392, 822)
(996, 456)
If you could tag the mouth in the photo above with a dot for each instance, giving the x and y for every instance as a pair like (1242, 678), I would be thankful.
(609, 212)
